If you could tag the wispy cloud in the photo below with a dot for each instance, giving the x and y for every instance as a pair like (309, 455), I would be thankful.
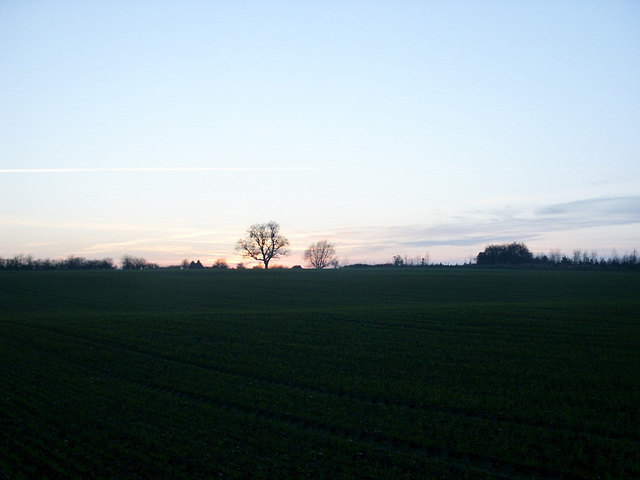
(474, 229)
(593, 212)
(526, 223)
(445, 238)
(165, 169)
(466, 168)
(68, 225)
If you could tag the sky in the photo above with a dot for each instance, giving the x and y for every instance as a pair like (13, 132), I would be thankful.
(421, 128)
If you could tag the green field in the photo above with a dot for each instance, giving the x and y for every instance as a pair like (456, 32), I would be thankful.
(374, 373)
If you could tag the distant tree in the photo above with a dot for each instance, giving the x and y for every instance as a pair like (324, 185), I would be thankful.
(220, 263)
(505, 254)
(632, 258)
(80, 263)
(20, 262)
(585, 257)
(263, 243)
(321, 254)
(398, 261)
(105, 263)
(555, 256)
(136, 263)
(577, 255)
(615, 258)
(73, 263)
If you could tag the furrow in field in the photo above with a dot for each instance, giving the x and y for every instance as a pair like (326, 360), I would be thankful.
(355, 396)
(460, 460)
(475, 374)
(49, 439)
(59, 299)
(381, 440)
(121, 448)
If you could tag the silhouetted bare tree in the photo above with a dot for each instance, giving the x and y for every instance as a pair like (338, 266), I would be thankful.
(321, 254)
(220, 263)
(263, 243)
(135, 263)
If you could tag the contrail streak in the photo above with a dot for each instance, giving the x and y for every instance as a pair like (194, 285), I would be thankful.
(267, 169)
(164, 169)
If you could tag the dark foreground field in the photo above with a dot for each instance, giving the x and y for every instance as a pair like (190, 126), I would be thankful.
(452, 373)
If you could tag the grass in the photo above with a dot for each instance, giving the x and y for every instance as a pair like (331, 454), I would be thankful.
(408, 373)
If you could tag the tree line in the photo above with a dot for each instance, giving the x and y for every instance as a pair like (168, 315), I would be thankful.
(263, 243)
(27, 262)
(518, 254)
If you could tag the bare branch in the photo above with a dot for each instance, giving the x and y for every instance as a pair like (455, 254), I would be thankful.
(321, 254)
(263, 243)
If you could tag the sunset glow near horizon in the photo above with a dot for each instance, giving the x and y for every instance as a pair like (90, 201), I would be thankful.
(425, 129)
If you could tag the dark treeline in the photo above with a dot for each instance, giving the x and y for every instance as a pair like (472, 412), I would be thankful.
(136, 263)
(27, 262)
(518, 254)
(496, 255)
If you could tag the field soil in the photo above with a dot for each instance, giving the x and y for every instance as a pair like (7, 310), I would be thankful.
(343, 374)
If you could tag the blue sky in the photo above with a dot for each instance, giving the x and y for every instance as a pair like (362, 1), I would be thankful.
(165, 129)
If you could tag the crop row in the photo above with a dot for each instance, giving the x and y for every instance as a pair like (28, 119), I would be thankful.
(280, 371)
(378, 416)
(433, 358)
(345, 380)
